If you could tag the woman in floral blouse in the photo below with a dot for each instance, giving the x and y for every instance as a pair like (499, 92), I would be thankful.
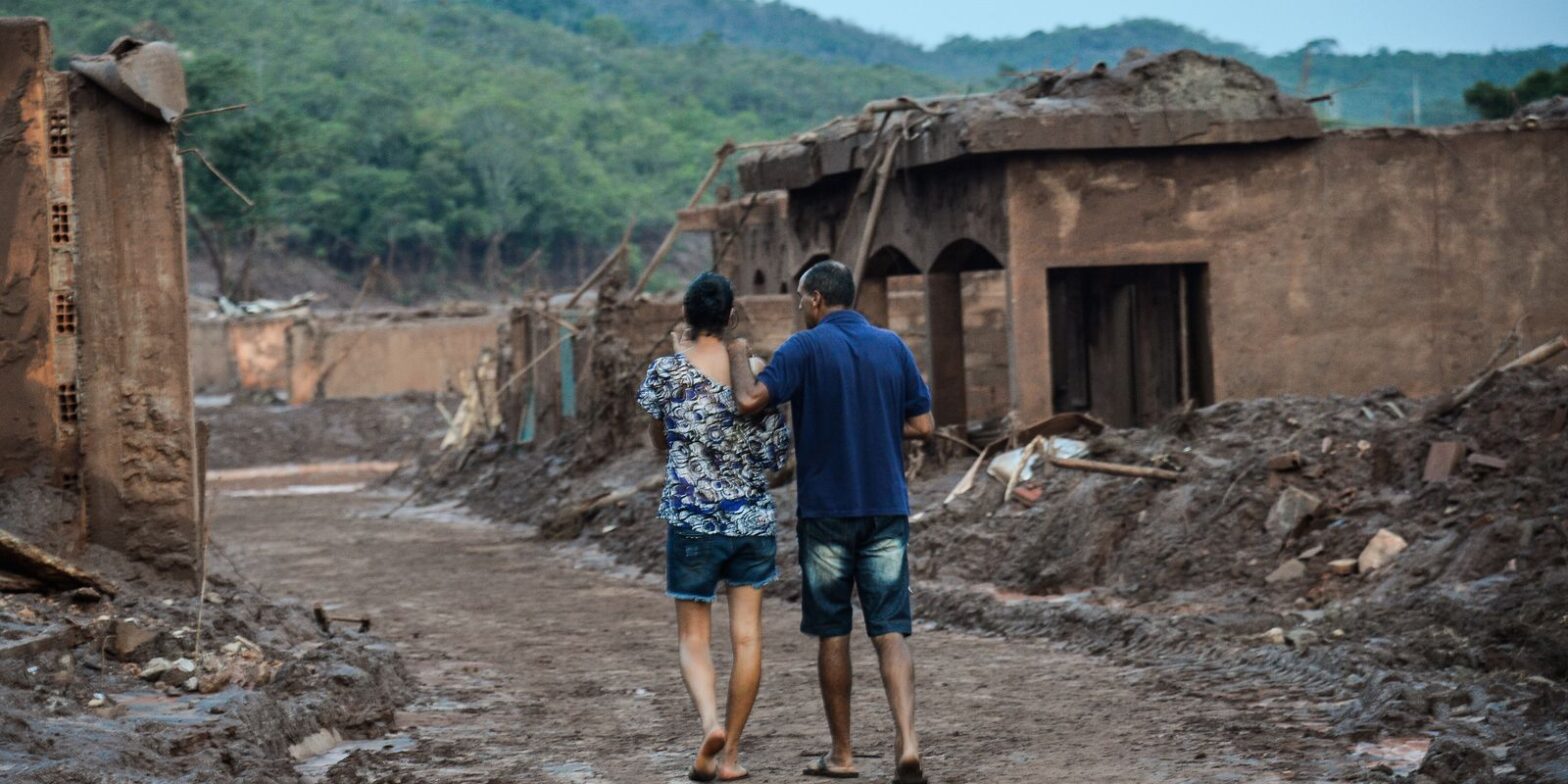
(719, 514)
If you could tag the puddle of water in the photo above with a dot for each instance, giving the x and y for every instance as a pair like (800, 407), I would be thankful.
(575, 772)
(187, 709)
(445, 513)
(232, 480)
(1403, 755)
(213, 401)
(318, 753)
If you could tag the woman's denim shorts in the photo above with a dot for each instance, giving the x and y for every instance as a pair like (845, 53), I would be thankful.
(695, 563)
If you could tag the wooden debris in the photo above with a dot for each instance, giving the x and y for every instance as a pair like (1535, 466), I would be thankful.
(1022, 465)
(480, 410)
(1343, 567)
(25, 560)
(965, 484)
(15, 583)
(1536, 356)
(968, 482)
(1118, 469)
(1061, 425)
(884, 173)
(1289, 461)
(1442, 460)
(585, 508)
(1487, 461)
(604, 266)
(719, 157)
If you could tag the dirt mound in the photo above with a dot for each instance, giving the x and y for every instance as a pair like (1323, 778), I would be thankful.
(89, 685)
(1172, 80)
(1554, 108)
(393, 428)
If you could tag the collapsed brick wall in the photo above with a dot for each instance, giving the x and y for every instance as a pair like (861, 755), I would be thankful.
(93, 352)
(138, 421)
(330, 356)
(28, 417)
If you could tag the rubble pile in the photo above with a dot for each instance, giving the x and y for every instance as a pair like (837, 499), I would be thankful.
(156, 685)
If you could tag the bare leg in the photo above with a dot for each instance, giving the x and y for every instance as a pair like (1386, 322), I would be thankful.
(898, 679)
(834, 674)
(746, 640)
(694, 620)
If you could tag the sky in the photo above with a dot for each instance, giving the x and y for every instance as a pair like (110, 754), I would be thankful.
(1270, 27)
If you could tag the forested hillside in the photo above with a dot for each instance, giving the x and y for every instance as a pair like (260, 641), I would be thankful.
(452, 138)
(426, 133)
(1383, 87)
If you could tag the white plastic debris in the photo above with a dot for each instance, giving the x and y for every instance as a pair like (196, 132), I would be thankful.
(1005, 464)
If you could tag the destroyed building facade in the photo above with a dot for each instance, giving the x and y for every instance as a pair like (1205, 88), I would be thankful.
(94, 372)
(1174, 228)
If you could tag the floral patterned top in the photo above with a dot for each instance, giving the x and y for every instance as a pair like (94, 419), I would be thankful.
(716, 479)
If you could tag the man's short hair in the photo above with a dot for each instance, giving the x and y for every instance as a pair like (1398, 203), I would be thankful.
(709, 300)
(832, 280)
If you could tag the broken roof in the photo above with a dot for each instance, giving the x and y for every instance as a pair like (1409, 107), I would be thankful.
(145, 75)
(1175, 99)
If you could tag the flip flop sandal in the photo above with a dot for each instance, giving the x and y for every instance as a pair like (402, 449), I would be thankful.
(820, 769)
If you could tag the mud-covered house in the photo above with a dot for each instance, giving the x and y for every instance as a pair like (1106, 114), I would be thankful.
(1174, 228)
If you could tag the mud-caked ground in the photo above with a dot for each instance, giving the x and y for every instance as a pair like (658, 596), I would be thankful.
(246, 432)
(1451, 651)
(97, 689)
(542, 662)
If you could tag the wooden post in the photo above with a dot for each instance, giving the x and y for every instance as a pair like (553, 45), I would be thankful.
(719, 157)
(884, 172)
(604, 266)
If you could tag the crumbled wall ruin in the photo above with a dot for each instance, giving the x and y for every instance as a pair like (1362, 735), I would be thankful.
(305, 358)
(92, 307)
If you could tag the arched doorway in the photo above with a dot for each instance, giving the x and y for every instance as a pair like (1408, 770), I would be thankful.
(872, 298)
(965, 273)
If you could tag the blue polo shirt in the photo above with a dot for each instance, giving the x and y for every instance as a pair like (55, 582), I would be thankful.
(850, 386)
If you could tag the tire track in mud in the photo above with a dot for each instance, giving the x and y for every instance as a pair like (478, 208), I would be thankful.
(541, 664)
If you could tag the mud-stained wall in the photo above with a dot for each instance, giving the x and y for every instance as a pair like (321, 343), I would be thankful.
(212, 369)
(305, 358)
(137, 418)
(342, 358)
(232, 355)
(1361, 260)
(27, 383)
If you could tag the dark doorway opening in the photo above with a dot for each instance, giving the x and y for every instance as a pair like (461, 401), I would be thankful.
(1130, 343)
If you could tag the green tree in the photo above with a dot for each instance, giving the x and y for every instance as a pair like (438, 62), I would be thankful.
(1494, 102)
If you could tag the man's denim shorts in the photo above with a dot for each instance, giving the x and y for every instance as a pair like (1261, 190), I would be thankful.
(841, 554)
(694, 563)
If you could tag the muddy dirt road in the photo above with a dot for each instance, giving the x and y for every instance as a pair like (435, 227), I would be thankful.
(538, 664)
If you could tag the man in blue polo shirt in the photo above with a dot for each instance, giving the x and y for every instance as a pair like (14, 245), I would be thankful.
(855, 394)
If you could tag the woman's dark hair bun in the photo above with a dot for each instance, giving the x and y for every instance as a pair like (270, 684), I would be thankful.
(709, 300)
